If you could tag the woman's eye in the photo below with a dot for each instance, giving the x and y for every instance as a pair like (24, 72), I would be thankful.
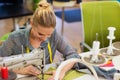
(40, 34)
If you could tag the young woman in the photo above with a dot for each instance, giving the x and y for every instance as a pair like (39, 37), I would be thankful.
(41, 33)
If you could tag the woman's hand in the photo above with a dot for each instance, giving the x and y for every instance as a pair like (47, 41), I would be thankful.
(62, 74)
(29, 70)
(51, 73)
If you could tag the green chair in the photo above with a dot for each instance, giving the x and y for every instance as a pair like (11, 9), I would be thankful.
(97, 16)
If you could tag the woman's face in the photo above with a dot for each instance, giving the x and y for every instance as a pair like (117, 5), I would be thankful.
(41, 33)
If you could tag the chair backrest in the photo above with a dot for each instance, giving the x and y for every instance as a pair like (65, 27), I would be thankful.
(97, 16)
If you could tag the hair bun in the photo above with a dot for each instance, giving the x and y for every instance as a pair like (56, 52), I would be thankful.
(43, 4)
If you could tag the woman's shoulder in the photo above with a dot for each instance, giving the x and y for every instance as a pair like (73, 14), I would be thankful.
(55, 33)
(55, 36)
(19, 32)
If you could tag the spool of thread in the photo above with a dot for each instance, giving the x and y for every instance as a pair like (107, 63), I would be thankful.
(111, 33)
(96, 45)
(4, 72)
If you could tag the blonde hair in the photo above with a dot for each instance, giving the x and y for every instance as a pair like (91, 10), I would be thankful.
(44, 15)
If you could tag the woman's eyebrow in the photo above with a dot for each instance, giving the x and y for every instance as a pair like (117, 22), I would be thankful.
(43, 34)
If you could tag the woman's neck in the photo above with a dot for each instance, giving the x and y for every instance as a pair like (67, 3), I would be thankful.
(35, 43)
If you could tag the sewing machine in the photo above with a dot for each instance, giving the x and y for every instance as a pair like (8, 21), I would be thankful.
(36, 58)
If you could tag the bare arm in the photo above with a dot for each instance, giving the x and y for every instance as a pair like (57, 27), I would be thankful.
(65, 70)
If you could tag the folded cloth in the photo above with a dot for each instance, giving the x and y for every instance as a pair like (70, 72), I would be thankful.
(108, 64)
(107, 74)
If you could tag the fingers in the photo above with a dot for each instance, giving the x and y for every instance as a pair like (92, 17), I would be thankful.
(51, 78)
(29, 70)
(61, 76)
(33, 70)
(50, 72)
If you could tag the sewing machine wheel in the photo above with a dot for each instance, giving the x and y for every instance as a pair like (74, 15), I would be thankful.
(116, 45)
(103, 51)
(11, 75)
(102, 60)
